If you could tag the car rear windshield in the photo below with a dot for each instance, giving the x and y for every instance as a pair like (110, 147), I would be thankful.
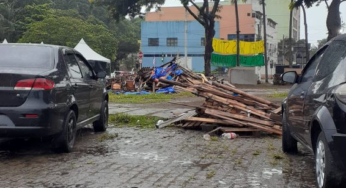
(37, 57)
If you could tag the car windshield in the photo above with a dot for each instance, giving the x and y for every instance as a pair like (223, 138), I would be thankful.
(15, 56)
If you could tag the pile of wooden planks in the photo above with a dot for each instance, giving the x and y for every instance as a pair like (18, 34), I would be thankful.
(225, 105)
(228, 106)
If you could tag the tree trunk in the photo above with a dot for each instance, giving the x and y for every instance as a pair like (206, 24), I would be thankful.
(307, 58)
(238, 31)
(333, 19)
(209, 34)
(265, 40)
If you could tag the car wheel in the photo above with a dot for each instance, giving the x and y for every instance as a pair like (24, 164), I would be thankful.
(65, 140)
(327, 174)
(289, 144)
(102, 124)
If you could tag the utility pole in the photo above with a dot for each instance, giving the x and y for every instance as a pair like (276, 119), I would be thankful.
(237, 21)
(265, 40)
(290, 39)
(283, 49)
(185, 39)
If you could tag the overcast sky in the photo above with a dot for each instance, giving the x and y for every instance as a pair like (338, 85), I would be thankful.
(316, 18)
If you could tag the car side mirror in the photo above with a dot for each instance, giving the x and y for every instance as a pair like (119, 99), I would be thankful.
(290, 77)
(101, 74)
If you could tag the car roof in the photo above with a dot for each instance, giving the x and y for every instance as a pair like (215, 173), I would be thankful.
(56, 47)
(340, 37)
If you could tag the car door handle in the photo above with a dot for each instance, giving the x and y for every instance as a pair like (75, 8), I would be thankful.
(75, 86)
(90, 86)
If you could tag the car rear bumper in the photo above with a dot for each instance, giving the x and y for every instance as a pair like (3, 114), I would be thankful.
(14, 123)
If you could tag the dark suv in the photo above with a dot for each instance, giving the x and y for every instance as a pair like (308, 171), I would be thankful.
(49, 91)
(314, 113)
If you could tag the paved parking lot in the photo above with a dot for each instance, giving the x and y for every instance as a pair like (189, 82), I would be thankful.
(154, 158)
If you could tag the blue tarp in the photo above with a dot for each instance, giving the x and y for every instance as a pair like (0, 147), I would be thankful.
(166, 90)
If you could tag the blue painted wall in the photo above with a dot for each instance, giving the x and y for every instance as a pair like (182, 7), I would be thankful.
(174, 29)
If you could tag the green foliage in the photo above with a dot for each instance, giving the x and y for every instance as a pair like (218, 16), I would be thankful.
(144, 99)
(93, 24)
(133, 121)
(277, 95)
(67, 31)
(120, 9)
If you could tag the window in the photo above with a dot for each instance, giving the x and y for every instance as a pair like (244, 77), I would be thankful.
(271, 23)
(43, 58)
(295, 23)
(249, 38)
(172, 41)
(310, 71)
(72, 65)
(295, 35)
(86, 72)
(153, 41)
(333, 55)
(202, 41)
(242, 37)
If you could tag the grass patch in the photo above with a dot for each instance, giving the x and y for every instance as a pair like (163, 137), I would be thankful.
(108, 136)
(256, 153)
(144, 99)
(277, 95)
(214, 138)
(278, 156)
(211, 174)
(133, 121)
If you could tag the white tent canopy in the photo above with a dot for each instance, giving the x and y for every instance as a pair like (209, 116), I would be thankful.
(5, 42)
(89, 53)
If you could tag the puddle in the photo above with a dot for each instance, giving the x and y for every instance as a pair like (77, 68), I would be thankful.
(151, 156)
(102, 150)
(268, 173)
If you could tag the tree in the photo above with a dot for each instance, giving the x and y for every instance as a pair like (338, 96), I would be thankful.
(67, 31)
(206, 17)
(333, 19)
(9, 11)
(120, 9)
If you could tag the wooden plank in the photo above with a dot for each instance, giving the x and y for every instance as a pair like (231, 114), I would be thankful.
(260, 100)
(277, 111)
(234, 129)
(241, 117)
(242, 123)
(207, 120)
(179, 118)
(235, 104)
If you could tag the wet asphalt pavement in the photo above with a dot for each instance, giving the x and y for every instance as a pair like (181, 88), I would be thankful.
(169, 157)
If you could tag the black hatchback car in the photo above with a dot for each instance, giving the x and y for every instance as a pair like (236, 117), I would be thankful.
(49, 91)
(314, 112)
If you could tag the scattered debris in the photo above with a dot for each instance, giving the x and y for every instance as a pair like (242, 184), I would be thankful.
(229, 108)
(229, 136)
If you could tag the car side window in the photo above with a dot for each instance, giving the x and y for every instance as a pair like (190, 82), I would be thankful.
(310, 71)
(332, 57)
(72, 65)
(86, 71)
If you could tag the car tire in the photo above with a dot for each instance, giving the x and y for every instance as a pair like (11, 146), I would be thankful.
(101, 125)
(327, 173)
(65, 140)
(289, 144)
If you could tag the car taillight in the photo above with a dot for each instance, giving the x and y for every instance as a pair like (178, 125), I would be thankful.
(35, 84)
(340, 93)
